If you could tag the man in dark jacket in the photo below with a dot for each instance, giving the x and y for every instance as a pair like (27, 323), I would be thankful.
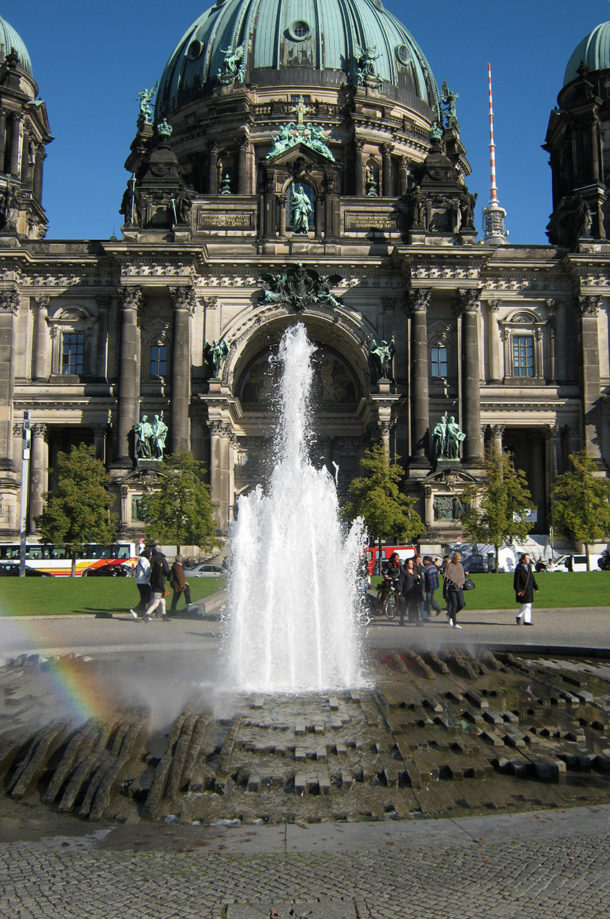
(159, 571)
(524, 584)
(179, 585)
(431, 584)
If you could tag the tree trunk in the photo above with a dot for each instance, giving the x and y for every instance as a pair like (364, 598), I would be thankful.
(497, 548)
(587, 555)
(379, 569)
(73, 569)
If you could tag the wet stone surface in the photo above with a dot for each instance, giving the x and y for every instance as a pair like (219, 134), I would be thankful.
(441, 734)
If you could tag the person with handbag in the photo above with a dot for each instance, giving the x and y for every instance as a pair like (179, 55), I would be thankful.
(454, 577)
(524, 584)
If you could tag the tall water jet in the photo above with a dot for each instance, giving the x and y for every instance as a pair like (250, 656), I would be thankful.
(292, 596)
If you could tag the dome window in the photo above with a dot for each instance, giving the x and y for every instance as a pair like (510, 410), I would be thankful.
(299, 30)
(402, 55)
(195, 49)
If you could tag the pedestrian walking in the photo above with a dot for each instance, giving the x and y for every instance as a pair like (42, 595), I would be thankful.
(524, 584)
(453, 588)
(431, 584)
(142, 583)
(412, 592)
(420, 570)
(159, 571)
(179, 585)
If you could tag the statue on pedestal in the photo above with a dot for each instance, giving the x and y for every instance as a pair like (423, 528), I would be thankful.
(447, 438)
(380, 356)
(142, 439)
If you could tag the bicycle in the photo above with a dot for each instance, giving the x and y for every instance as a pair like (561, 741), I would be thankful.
(388, 602)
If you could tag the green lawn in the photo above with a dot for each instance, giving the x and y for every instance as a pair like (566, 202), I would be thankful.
(67, 596)
(556, 589)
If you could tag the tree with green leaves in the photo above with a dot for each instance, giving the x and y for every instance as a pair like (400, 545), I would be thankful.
(77, 510)
(496, 508)
(388, 514)
(581, 502)
(180, 512)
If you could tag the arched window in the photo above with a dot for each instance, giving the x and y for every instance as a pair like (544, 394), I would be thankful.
(73, 334)
(523, 336)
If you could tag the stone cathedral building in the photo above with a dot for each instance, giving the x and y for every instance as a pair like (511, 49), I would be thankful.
(298, 162)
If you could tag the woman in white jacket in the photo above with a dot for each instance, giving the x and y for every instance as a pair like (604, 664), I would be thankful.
(142, 583)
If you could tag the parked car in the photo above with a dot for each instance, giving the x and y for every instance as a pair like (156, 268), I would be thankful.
(11, 570)
(575, 563)
(205, 570)
(110, 570)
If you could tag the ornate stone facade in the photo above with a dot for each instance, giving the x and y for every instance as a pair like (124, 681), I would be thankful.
(512, 341)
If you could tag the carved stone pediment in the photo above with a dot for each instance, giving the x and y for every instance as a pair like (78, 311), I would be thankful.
(450, 478)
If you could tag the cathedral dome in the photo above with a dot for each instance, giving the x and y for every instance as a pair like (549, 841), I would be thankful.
(9, 40)
(593, 51)
(315, 42)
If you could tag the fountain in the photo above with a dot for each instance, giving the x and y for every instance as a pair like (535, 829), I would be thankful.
(293, 623)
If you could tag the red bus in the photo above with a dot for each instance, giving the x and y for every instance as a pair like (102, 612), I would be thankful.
(372, 554)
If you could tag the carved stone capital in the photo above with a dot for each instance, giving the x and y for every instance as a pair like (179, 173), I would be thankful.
(183, 298)
(41, 303)
(494, 305)
(419, 300)
(468, 300)
(589, 306)
(131, 298)
(9, 301)
(40, 430)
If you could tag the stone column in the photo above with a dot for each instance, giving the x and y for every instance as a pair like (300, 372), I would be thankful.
(16, 140)
(39, 473)
(591, 384)
(220, 434)
(359, 168)
(9, 307)
(420, 301)
(242, 166)
(40, 368)
(38, 169)
(183, 300)
(386, 151)
(403, 176)
(281, 203)
(469, 306)
(497, 430)
(551, 306)
(2, 139)
(493, 342)
(99, 439)
(213, 173)
(129, 372)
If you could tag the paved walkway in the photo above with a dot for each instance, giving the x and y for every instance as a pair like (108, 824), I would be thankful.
(530, 866)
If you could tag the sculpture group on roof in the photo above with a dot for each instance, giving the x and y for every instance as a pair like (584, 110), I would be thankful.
(233, 66)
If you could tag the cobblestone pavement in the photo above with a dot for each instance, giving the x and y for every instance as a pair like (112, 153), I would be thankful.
(535, 866)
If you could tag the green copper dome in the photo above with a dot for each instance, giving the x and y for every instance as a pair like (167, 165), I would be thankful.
(297, 42)
(593, 50)
(10, 39)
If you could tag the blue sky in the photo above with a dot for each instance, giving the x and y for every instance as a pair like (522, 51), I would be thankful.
(91, 60)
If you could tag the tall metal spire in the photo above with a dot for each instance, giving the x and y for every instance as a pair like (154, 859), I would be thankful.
(495, 233)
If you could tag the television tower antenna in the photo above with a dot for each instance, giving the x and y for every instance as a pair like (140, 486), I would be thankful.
(495, 233)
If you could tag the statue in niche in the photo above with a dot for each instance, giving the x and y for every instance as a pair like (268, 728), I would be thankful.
(455, 438)
(142, 439)
(9, 214)
(380, 356)
(145, 98)
(216, 352)
(302, 210)
(439, 438)
(159, 436)
(449, 98)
